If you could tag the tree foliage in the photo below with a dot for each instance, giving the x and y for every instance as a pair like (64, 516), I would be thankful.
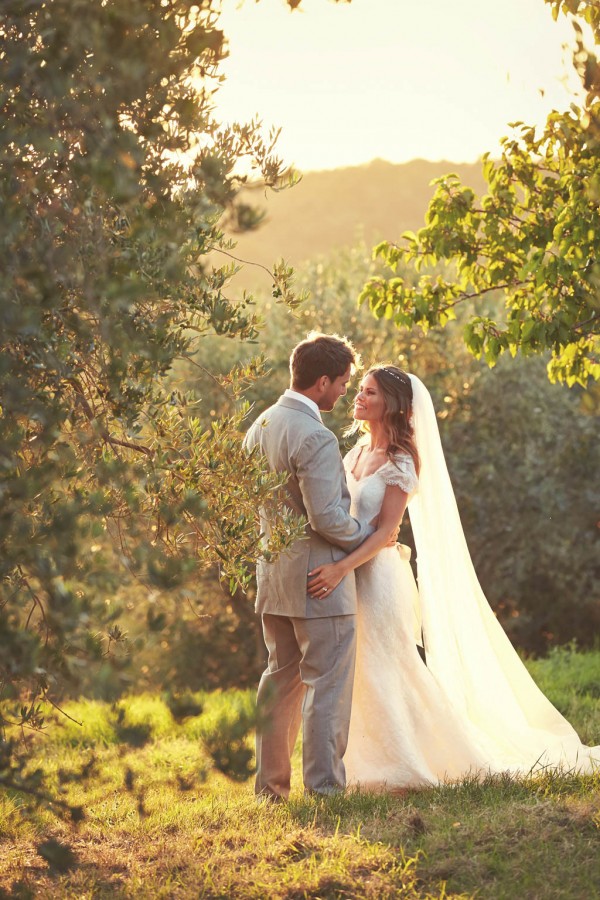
(520, 451)
(115, 178)
(534, 236)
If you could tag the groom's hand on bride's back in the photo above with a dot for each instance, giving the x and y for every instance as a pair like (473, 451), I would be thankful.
(393, 538)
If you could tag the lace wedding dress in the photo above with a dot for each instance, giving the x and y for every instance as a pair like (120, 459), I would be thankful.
(473, 708)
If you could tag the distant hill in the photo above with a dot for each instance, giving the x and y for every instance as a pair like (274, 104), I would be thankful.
(339, 207)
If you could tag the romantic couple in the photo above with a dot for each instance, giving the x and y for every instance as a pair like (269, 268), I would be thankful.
(342, 615)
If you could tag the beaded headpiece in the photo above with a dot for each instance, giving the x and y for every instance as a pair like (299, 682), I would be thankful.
(402, 377)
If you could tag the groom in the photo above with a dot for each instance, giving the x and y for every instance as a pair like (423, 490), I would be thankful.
(311, 642)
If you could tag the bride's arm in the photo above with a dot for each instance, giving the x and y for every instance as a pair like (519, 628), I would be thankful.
(390, 517)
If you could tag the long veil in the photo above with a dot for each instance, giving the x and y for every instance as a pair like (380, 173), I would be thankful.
(467, 650)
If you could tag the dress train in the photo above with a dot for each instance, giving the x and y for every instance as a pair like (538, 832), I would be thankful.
(473, 709)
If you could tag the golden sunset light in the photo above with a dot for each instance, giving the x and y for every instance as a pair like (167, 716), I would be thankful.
(299, 401)
(390, 79)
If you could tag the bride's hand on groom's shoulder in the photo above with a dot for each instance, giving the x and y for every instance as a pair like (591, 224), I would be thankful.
(323, 579)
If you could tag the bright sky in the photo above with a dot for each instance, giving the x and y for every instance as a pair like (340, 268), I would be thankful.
(392, 79)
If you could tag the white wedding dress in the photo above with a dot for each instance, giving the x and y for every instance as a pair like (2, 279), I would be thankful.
(473, 708)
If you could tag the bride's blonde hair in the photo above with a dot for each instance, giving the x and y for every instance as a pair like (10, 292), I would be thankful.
(397, 393)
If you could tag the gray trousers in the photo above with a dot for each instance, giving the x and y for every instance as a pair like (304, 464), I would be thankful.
(308, 679)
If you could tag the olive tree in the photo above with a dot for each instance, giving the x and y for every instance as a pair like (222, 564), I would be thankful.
(115, 182)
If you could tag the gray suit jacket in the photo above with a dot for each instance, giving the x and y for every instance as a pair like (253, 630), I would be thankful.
(294, 440)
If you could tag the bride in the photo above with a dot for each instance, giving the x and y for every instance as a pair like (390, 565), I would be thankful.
(472, 708)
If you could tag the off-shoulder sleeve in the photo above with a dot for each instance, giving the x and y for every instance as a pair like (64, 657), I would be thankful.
(401, 471)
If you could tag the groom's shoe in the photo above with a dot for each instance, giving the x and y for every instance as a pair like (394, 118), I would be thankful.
(270, 797)
(326, 790)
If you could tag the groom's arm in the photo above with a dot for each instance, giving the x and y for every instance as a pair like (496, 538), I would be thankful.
(320, 475)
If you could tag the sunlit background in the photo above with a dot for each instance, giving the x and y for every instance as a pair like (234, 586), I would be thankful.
(393, 79)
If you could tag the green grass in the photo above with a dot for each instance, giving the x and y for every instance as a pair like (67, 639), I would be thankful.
(572, 681)
(160, 822)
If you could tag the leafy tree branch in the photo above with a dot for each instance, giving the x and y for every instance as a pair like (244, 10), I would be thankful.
(534, 238)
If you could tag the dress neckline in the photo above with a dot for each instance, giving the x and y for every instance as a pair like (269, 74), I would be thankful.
(364, 477)
(370, 475)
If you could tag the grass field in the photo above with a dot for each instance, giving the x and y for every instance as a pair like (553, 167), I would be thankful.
(161, 822)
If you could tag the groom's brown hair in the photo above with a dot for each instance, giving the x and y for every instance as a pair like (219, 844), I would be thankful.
(321, 354)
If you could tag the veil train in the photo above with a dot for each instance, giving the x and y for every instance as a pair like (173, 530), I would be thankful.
(467, 650)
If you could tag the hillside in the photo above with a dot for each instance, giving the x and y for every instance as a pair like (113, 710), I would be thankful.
(336, 208)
